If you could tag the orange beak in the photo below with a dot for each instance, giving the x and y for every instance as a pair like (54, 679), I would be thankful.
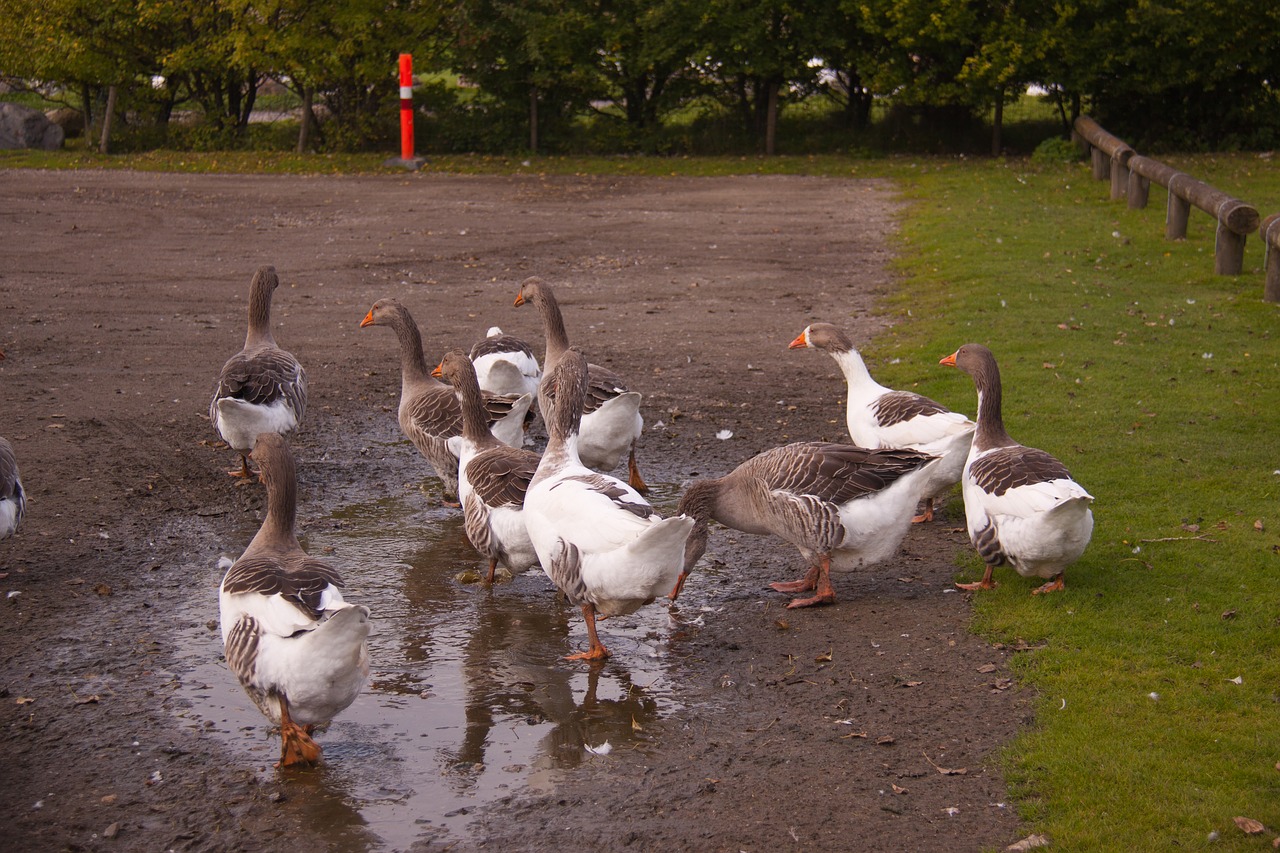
(949, 360)
(438, 373)
(519, 299)
(801, 341)
(368, 319)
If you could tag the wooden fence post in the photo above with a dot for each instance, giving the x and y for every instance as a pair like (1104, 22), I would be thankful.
(1270, 231)
(1101, 164)
(1138, 191)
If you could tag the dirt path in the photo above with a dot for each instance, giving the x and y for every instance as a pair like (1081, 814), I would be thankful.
(122, 294)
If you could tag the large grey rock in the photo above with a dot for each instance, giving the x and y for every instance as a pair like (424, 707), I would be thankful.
(24, 127)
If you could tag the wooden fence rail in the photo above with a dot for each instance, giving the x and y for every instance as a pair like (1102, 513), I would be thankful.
(1131, 176)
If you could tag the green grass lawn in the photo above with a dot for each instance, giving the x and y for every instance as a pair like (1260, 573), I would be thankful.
(1155, 381)
(1157, 672)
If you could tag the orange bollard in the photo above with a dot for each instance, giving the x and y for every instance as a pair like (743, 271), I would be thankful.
(406, 158)
(406, 106)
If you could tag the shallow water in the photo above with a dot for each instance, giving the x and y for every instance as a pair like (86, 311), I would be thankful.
(469, 698)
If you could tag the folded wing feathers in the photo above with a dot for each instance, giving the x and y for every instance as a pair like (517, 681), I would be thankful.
(1005, 468)
(898, 406)
(839, 472)
(501, 478)
(611, 489)
(299, 579)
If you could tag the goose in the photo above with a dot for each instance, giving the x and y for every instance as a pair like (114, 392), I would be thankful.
(598, 540)
(1023, 508)
(492, 477)
(881, 417)
(429, 411)
(298, 649)
(504, 364)
(13, 501)
(843, 506)
(262, 388)
(611, 420)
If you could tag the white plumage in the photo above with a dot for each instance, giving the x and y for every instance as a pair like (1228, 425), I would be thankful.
(598, 540)
(882, 417)
(1022, 507)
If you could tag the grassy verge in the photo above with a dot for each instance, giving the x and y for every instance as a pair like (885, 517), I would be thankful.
(1158, 673)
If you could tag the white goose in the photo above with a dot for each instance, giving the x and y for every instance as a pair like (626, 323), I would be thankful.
(262, 388)
(611, 420)
(598, 540)
(13, 501)
(505, 364)
(297, 648)
(492, 477)
(844, 507)
(881, 417)
(429, 412)
(1022, 506)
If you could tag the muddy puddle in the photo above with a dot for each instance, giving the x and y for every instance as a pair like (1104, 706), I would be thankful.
(469, 700)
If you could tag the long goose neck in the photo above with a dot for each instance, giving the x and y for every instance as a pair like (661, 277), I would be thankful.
(277, 531)
(991, 431)
(854, 369)
(474, 426)
(553, 327)
(413, 365)
(264, 284)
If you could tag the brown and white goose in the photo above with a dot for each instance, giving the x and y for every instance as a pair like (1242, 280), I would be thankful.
(611, 420)
(598, 540)
(262, 388)
(492, 477)
(882, 417)
(298, 649)
(1022, 506)
(505, 364)
(13, 500)
(844, 507)
(429, 413)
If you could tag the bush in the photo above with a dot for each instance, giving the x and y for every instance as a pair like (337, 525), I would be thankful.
(1056, 150)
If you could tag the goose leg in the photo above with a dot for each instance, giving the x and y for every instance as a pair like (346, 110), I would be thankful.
(243, 471)
(676, 590)
(824, 593)
(1058, 583)
(808, 582)
(633, 472)
(927, 515)
(493, 570)
(985, 583)
(597, 650)
(296, 745)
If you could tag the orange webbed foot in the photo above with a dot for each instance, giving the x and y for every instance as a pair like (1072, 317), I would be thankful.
(1056, 585)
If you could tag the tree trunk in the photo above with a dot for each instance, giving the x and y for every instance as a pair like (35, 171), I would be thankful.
(86, 103)
(771, 120)
(533, 119)
(104, 143)
(308, 118)
(997, 125)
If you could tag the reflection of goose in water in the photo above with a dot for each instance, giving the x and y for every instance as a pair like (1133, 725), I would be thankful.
(509, 683)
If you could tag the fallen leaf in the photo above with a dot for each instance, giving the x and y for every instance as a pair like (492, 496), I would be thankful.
(897, 789)
(987, 667)
(108, 799)
(87, 700)
(1239, 679)
(1228, 614)
(103, 589)
(24, 700)
(1031, 842)
(912, 683)
(854, 734)
(1003, 683)
(1249, 826)
(945, 771)
(824, 658)
(635, 727)
(782, 624)
(111, 831)
(1191, 528)
(886, 740)
(1257, 525)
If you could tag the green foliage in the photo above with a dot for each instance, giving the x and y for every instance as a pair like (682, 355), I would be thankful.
(1056, 150)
